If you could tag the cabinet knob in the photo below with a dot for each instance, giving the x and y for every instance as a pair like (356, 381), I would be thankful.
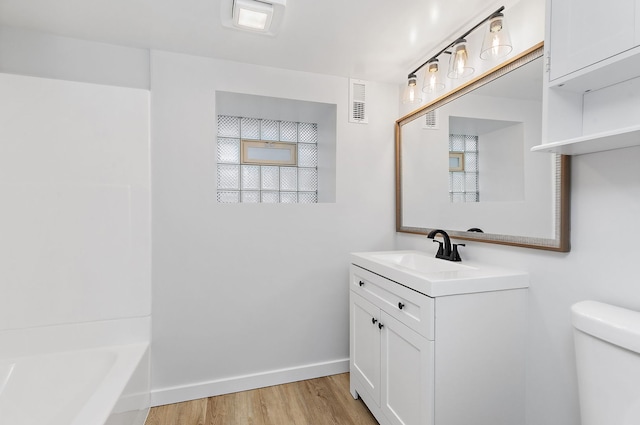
(380, 326)
(400, 306)
(361, 283)
(374, 320)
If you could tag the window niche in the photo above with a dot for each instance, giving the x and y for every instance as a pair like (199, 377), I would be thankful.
(274, 150)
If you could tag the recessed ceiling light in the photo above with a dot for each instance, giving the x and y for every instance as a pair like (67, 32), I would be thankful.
(254, 15)
(257, 16)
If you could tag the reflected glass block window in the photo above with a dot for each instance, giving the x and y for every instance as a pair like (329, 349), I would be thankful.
(463, 168)
(240, 181)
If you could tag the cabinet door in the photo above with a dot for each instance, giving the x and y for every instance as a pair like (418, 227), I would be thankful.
(365, 345)
(583, 32)
(407, 374)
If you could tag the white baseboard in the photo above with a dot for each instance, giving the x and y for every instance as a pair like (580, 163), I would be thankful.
(198, 390)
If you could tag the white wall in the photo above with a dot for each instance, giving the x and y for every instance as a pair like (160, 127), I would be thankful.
(242, 291)
(501, 165)
(52, 56)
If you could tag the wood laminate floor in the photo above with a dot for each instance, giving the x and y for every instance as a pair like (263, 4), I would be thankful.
(320, 401)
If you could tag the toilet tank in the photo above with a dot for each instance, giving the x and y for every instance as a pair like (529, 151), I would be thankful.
(607, 342)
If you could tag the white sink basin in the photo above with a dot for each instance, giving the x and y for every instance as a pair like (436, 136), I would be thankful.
(420, 262)
(435, 277)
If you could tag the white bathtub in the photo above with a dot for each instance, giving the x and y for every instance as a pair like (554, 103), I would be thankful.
(96, 386)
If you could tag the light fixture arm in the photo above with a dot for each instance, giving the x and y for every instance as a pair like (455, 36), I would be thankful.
(415, 71)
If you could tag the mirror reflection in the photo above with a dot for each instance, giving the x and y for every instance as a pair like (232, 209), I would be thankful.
(464, 162)
(488, 160)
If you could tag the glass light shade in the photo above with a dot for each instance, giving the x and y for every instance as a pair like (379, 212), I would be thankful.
(497, 42)
(432, 82)
(411, 93)
(459, 62)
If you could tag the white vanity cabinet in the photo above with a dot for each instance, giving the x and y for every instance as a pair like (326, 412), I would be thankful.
(392, 338)
(453, 359)
(592, 85)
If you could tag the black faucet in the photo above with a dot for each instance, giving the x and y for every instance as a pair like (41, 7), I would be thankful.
(446, 250)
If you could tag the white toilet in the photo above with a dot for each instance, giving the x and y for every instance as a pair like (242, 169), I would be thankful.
(607, 341)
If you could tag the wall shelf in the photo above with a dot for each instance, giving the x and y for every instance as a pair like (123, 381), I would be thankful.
(597, 142)
(610, 71)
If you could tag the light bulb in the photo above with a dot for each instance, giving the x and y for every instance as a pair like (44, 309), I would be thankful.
(497, 42)
(458, 64)
(411, 94)
(432, 82)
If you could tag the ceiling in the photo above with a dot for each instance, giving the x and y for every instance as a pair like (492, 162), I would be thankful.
(377, 40)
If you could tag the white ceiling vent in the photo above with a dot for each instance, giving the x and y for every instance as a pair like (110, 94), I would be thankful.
(358, 101)
(431, 120)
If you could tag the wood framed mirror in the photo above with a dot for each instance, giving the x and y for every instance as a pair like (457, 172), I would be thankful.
(504, 193)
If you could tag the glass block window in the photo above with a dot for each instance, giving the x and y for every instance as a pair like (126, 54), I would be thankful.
(463, 172)
(239, 182)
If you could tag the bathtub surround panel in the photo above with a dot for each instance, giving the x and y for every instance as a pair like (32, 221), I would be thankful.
(75, 252)
(74, 180)
(73, 337)
(248, 295)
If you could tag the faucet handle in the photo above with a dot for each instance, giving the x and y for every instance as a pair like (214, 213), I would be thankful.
(440, 252)
(455, 256)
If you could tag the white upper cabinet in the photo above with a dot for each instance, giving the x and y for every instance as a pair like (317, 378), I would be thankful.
(584, 32)
(591, 99)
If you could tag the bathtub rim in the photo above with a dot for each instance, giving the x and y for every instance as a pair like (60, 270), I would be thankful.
(59, 338)
(102, 402)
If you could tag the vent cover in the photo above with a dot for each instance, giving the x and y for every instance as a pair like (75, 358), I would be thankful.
(358, 101)
(431, 120)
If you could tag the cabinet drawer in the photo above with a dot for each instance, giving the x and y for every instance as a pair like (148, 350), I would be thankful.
(408, 306)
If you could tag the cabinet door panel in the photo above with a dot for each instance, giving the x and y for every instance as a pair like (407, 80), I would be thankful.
(407, 374)
(365, 345)
(585, 32)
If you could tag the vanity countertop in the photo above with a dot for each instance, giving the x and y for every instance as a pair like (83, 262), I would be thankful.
(435, 277)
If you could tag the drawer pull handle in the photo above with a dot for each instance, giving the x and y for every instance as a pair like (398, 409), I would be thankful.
(361, 283)
(374, 320)
(400, 306)
(380, 326)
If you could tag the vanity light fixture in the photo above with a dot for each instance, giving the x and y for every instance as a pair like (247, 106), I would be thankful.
(496, 43)
(432, 78)
(256, 16)
(411, 93)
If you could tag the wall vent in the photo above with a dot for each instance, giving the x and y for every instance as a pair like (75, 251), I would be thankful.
(431, 120)
(358, 101)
